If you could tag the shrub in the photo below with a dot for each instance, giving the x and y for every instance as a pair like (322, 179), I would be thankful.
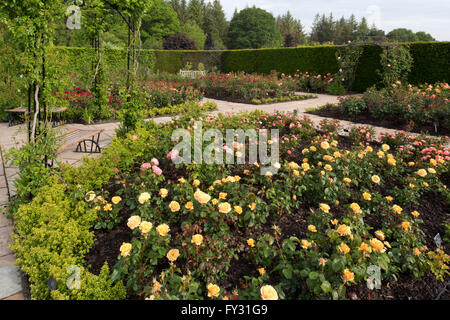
(352, 105)
(179, 42)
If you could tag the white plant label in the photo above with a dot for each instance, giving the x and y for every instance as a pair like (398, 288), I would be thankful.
(374, 279)
(74, 281)
(438, 240)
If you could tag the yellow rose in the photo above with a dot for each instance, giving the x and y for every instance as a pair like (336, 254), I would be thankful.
(411, 163)
(328, 158)
(107, 207)
(380, 154)
(197, 239)
(201, 196)
(325, 145)
(163, 229)
(173, 255)
(415, 213)
(347, 180)
(196, 183)
(163, 192)
(367, 196)
(365, 248)
(145, 227)
(431, 170)
(343, 248)
(90, 196)
(334, 222)
(293, 165)
(312, 228)
(356, 208)
(296, 173)
(406, 226)
(380, 235)
(223, 195)
(328, 167)
(262, 271)
(215, 201)
(322, 261)
(116, 199)
(238, 209)
(313, 149)
(377, 245)
(224, 207)
(174, 206)
(268, 293)
(422, 172)
(251, 242)
(344, 230)
(189, 205)
(144, 197)
(397, 208)
(213, 290)
(252, 206)
(385, 147)
(306, 244)
(376, 179)
(389, 198)
(305, 166)
(348, 275)
(125, 249)
(134, 222)
(416, 251)
(324, 207)
(392, 162)
(182, 180)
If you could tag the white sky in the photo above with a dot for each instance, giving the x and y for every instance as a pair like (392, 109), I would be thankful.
(431, 16)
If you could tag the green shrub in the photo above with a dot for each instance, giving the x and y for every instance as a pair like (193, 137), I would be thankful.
(352, 106)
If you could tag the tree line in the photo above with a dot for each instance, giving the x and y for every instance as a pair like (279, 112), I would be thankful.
(197, 24)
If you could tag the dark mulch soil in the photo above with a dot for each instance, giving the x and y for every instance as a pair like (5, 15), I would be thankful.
(366, 118)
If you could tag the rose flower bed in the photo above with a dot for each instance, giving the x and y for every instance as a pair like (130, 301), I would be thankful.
(249, 88)
(336, 209)
(424, 108)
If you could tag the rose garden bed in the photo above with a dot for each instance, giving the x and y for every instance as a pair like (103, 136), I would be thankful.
(336, 207)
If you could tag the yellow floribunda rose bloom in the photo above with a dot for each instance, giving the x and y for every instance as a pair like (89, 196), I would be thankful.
(90, 196)
(156, 286)
(224, 207)
(422, 172)
(344, 230)
(215, 201)
(380, 154)
(334, 143)
(367, 196)
(305, 166)
(380, 235)
(377, 245)
(392, 162)
(268, 293)
(322, 261)
(415, 213)
(431, 170)
(262, 271)
(397, 208)
(238, 209)
(163, 229)
(305, 151)
(201, 196)
(417, 252)
(163, 192)
(145, 227)
(389, 198)
(406, 226)
(173, 255)
(343, 248)
(211, 188)
(213, 290)
(197, 239)
(237, 178)
(296, 173)
(182, 180)
(116, 199)
(433, 162)
(134, 222)
(348, 275)
(411, 163)
(325, 145)
(365, 248)
(189, 205)
(356, 208)
(385, 147)
(312, 228)
(174, 206)
(252, 206)
(196, 183)
(313, 148)
(328, 167)
(425, 184)
(306, 244)
(107, 207)
(337, 154)
(369, 149)
(347, 180)
(293, 165)
(376, 179)
(251, 242)
(324, 207)
(219, 182)
(223, 195)
(144, 197)
(125, 249)
(328, 158)
(334, 222)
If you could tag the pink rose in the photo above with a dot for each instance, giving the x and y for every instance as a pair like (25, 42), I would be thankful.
(157, 170)
(146, 166)
(155, 162)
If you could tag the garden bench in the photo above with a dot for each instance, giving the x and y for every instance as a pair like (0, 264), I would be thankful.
(81, 139)
(21, 110)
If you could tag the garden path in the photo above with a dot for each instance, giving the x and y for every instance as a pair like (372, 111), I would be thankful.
(10, 278)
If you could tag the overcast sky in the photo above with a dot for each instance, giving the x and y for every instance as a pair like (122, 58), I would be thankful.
(431, 16)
